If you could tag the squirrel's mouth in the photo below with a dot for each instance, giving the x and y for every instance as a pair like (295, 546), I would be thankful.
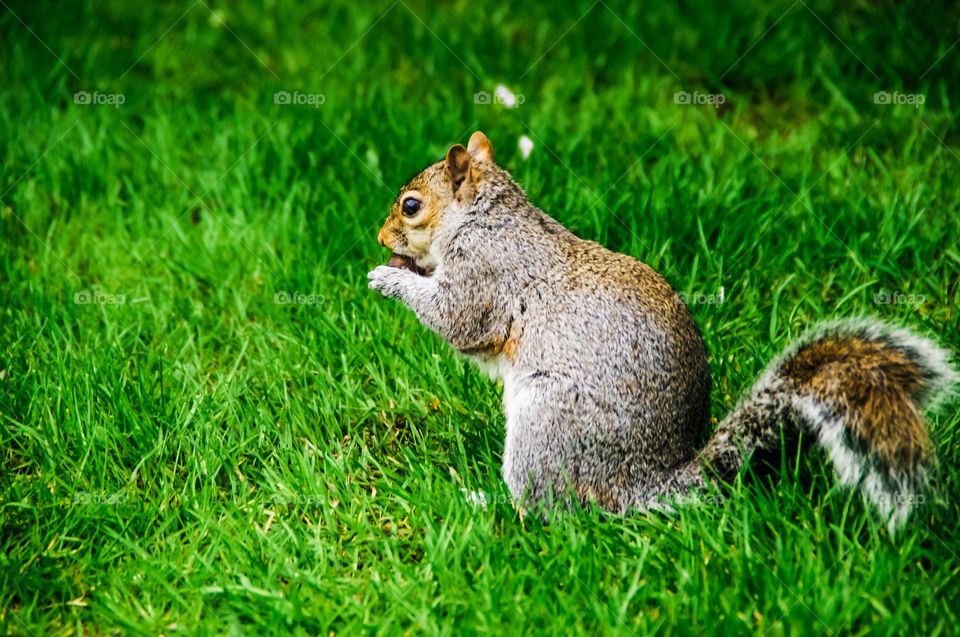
(405, 262)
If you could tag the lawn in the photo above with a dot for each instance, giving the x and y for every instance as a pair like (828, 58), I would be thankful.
(210, 425)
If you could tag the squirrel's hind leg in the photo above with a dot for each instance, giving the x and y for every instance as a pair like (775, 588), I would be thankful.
(559, 448)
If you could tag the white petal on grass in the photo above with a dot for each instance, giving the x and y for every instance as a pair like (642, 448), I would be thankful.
(505, 96)
(526, 146)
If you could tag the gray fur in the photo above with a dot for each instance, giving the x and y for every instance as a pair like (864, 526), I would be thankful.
(606, 385)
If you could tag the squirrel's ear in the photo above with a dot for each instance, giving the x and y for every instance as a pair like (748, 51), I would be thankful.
(458, 165)
(480, 147)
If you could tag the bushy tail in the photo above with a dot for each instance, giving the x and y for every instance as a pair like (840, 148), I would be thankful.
(860, 387)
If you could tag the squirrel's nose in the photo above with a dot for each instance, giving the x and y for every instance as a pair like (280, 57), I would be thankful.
(383, 238)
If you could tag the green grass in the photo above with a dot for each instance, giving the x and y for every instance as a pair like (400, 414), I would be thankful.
(202, 459)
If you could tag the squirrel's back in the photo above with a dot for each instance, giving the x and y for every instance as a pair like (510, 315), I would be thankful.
(644, 344)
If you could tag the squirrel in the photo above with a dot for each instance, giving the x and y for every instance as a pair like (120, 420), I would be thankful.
(606, 386)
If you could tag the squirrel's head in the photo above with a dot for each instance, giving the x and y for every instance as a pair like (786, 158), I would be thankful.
(430, 199)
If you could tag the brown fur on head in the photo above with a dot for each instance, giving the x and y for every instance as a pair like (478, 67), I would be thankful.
(437, 188)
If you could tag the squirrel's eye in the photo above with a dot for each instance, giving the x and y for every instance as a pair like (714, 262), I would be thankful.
(411, 206)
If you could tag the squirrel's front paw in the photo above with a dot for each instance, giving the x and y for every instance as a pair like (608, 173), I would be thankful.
(389, 281)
